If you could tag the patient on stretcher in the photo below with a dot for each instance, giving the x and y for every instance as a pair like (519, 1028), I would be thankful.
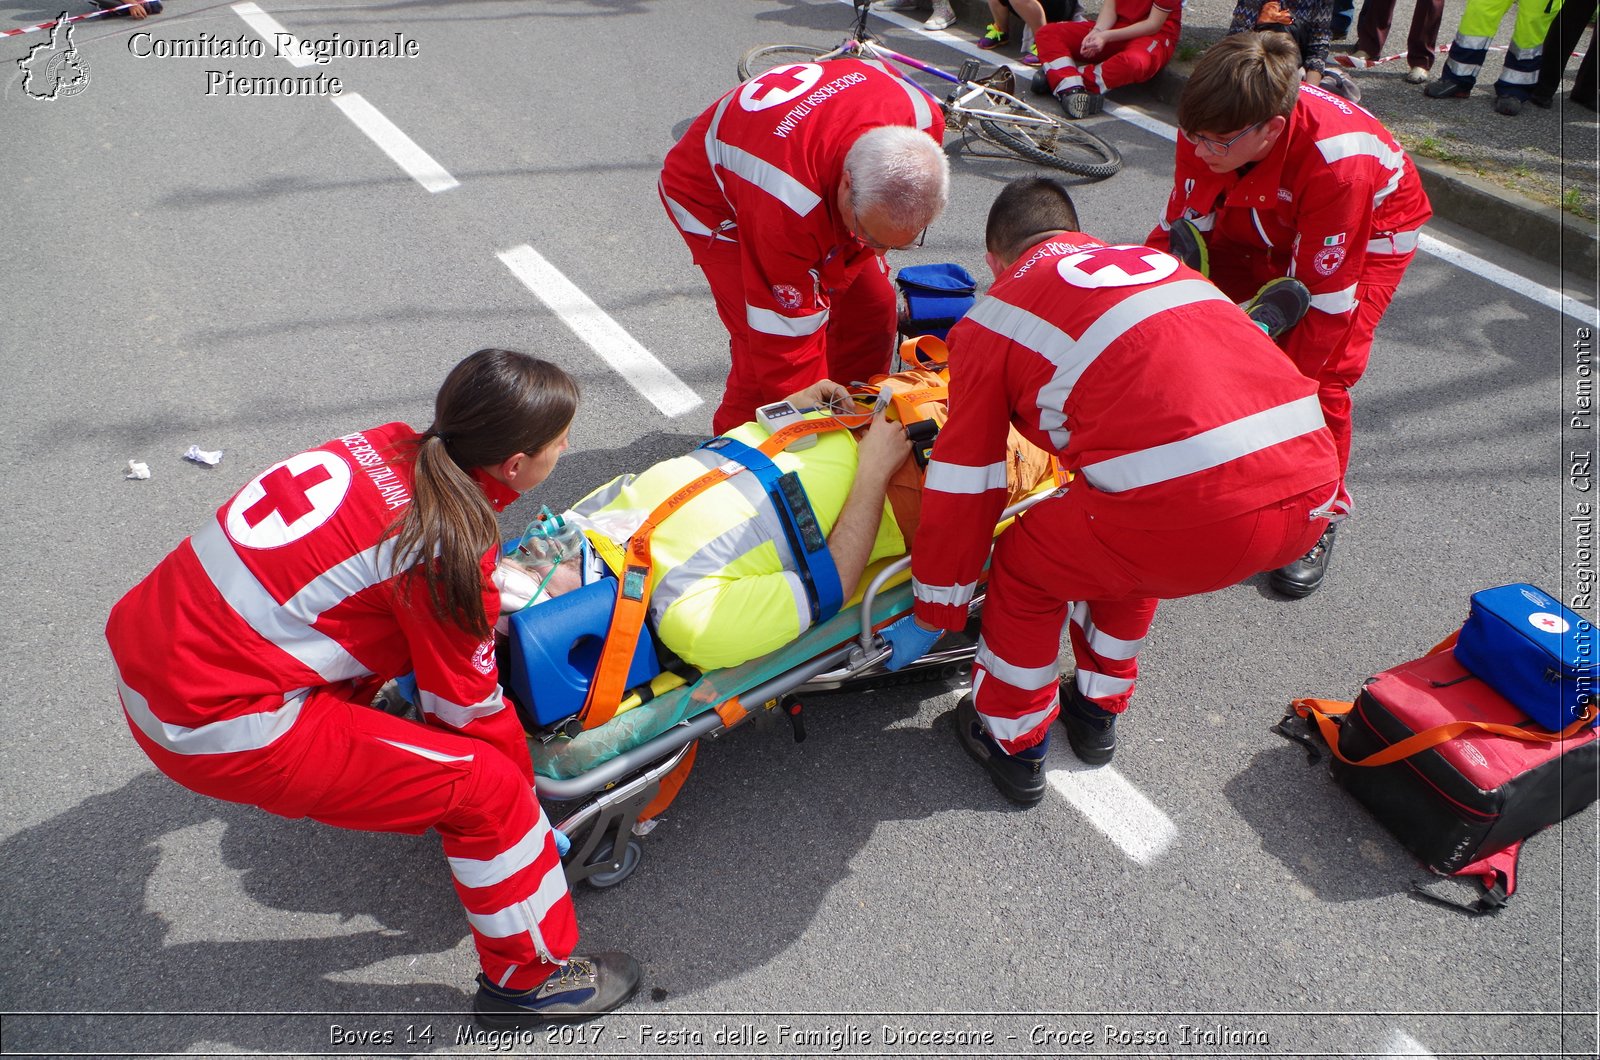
(729, 579)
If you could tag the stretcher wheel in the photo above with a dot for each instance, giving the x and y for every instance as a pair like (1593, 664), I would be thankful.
(632, 854)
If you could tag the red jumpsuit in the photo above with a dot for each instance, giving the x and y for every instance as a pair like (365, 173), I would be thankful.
(753, 189)
(247, 659)
(1200, 455)
(1126, 62)
(1337, 204)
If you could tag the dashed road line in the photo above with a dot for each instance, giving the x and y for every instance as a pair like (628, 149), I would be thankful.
(637, 365)
(395, 143)
(1402, 1044)
(273, 33)
(1116, 809)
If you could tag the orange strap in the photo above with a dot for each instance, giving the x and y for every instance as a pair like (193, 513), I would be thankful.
(925, 351)
(633, 589)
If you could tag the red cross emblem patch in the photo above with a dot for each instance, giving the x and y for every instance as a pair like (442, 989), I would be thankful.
(288, 500)
(1546, 622)
(781, 84)
(1122, 266)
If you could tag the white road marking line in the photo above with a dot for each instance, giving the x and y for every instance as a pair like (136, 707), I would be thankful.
(1402, 1044)
(1495, 274)
(637, 365)
(394, 143)
(1116, 808)
(273, 33)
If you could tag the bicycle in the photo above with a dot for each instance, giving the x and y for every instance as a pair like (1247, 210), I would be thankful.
(984, 107)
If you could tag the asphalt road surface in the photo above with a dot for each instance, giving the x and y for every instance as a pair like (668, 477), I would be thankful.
(186, 265)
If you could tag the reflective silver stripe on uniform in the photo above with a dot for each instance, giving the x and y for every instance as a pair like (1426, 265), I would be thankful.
(1016, 728)
(247, 732)
(1099, 686)
(764, 175)
(1026, 678)
(1072, 358)
(1063, 63)
(1463, 71)
(603, 496)
(457, 715)
(1208, 449)
(1512, 76)
(1102, 643)
(425, 752)
(1255, 218)
(1335, 302)
(920, 109)
(1398, 243)
(287, 629)
(476, 872)
(769, 322)
(946, 477)
(1474, 43)
(950, 595)
(525, 915)
(1354, 144)
(687, 223)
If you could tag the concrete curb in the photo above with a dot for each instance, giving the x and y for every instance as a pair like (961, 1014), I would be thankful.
(1459, 196)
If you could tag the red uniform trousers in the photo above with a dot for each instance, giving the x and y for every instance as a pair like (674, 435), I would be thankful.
(1336, 372)
(1126, 62)
(346, 764)
(862, 321)
(1059, 561)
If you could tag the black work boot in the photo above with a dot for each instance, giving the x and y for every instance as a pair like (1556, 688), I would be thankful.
(580, 990)
(1091, 730)
(1020, 777)
(1304, 576)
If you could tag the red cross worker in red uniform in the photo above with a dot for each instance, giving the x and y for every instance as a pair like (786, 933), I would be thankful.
(247, 662)
(788, 191)
(1275, 177)
(1199, 454)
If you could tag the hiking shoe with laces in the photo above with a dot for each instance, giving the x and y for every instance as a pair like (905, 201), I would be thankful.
(1091, 730)
(1080, 103)
(1447, 88)
(1279, 305)
(583, 988)
(1304, 576)
(1185, 243)
(1020, 777)
(992, 37)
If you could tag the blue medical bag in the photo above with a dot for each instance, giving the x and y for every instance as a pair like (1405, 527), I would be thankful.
(1533, 651)
(934, 297)
(554, 646)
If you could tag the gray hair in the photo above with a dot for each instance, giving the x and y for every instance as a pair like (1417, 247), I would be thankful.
(901, 171)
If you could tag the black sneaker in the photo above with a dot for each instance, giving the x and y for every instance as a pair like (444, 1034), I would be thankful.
(1020, 777)
(1091, 731)
(1279, 305)
(1304, 576)
(1447, 88)
(1510, 106)
(1081, 103)
(585, 987)
(1187, 245)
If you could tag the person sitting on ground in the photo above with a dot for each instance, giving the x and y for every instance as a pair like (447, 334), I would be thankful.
(1306, 23)
(1128, 42)
(1035, 14)
(724, 590)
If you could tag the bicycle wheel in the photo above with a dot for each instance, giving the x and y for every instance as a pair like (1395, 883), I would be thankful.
(759, 60)
(1057, 144)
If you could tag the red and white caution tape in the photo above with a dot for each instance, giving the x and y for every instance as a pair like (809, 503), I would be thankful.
(68, 21)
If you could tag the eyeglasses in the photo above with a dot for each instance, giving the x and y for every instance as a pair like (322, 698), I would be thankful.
(872, 244)
(1219, 147)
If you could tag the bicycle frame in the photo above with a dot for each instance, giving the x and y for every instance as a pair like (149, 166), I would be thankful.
(868, 49)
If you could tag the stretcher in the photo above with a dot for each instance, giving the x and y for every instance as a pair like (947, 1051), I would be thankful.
(596, 783)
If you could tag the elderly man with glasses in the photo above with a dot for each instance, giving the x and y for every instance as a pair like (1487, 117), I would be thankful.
(788, 191)
(1273, 178)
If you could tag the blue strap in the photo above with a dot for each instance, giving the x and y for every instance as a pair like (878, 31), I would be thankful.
(817, 569)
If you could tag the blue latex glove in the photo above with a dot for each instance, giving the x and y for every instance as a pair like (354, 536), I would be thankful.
(563, 844)
(909, 641)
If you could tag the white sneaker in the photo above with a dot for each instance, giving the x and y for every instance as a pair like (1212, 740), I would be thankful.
(943, 16)
(1417, 75)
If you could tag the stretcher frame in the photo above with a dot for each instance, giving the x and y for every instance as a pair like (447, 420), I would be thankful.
(606, 799)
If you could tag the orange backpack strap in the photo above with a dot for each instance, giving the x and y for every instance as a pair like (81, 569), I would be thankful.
(610, 679)
(1324, 711)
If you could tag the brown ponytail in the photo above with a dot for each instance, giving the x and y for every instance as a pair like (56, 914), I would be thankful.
(493, 405)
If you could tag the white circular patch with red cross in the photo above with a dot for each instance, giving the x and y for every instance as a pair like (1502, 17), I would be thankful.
(1548, 623)
(786, 295)
(1122, 266)
(1328, 260)
(483, 658)
(781, 84)
(288, 500)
